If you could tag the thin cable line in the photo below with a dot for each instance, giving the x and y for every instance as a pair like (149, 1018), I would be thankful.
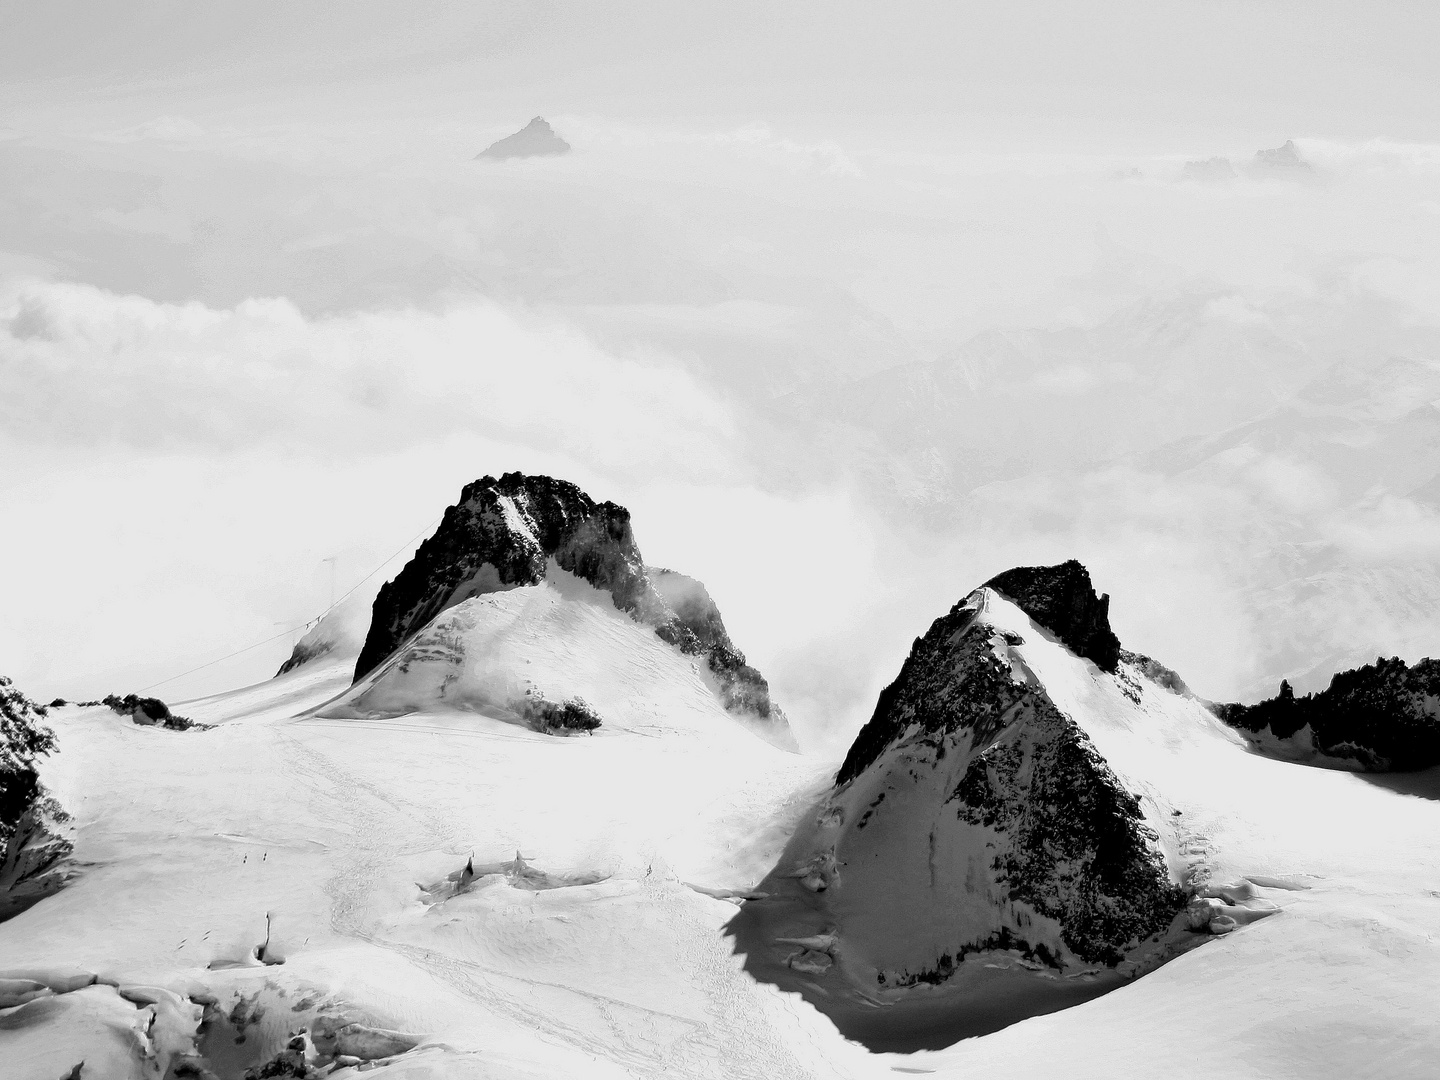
(304, 625)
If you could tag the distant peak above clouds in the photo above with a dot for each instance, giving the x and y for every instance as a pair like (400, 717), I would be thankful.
(535, 139)
(1282, 157)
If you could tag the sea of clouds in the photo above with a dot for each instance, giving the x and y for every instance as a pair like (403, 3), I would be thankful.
(841, 378)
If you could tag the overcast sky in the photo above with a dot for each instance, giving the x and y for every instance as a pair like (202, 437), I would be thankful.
(1168, 70)
(854, 306)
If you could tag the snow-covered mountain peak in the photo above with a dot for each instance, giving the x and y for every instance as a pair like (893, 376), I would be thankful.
(973, 641)
(1003, 823)
(523, 531)
(1016, 775)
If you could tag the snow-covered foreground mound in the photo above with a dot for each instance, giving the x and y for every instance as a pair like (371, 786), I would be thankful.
(328, 843)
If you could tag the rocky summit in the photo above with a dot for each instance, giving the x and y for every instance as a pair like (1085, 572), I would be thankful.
(1062, 599)
(505, 533)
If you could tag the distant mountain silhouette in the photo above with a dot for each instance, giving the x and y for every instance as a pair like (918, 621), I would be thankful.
(535, 139)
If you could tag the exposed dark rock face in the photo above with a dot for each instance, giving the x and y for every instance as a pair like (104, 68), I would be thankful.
(1071, 842)
(149, 711)
(33, 840)
(1061, 599)
(535, 139)
(34, 860)
(23, 739)
(1211, 169)
(558, 718)
(1080, 851)
(503, 533)
(1383, 716)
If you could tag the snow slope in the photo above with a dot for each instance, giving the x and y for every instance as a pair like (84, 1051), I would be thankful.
(324, 826)
(344, 832)
(561, 639)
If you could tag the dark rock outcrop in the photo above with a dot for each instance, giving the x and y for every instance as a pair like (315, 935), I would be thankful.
(33, 836)
(503, 534)
(35, 858)
(23, 739)
(1061, 599)
(1079, 850)
(1382, 717)
(150, 712)
(535, 139)
(558, 718)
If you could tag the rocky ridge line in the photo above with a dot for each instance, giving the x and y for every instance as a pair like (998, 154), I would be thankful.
(1380, 717)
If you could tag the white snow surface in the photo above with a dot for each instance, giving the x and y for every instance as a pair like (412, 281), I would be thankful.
(343, 829)
(559, 640)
